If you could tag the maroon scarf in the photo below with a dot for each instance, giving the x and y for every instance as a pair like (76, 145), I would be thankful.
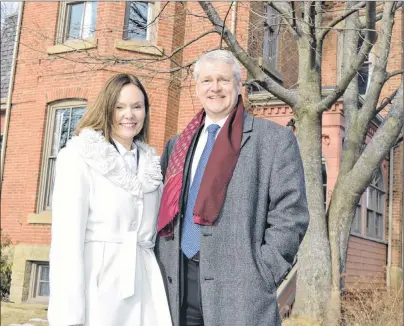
(217, 175)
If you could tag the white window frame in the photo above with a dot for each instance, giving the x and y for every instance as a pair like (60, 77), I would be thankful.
(63, 23)
(50, 123)
(151, 32)
(367, 210)
(375, 195)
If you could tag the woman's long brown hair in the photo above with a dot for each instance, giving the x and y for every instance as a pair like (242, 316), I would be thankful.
(100, 115)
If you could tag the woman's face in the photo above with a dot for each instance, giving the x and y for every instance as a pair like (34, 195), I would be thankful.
(129, 115)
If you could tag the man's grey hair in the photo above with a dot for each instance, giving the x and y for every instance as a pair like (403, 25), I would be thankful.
(219, 55)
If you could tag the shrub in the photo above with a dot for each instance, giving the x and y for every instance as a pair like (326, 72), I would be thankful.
(372, 307)
(5, 267)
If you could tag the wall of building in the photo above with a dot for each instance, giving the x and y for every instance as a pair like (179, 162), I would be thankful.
(396, 269)
(366, 264)
(43, 79)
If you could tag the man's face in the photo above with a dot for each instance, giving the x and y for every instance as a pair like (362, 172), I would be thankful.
(217, 89)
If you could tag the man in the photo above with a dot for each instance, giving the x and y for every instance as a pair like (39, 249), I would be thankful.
(234, 209)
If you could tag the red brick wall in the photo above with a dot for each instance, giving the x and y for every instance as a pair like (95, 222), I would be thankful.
(42, 79)
(398, 213)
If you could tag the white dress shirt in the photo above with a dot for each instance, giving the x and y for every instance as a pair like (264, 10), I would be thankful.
(203, 138)
(130, 157)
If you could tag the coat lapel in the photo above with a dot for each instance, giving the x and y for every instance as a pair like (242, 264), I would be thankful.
(103, 157)
(247, 128)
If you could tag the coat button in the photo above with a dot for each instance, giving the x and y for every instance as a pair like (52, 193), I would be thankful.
(170, 280)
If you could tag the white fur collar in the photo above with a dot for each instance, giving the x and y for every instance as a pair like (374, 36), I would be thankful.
(102, 156)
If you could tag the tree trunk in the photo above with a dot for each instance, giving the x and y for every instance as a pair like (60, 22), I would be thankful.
(314, 274)
(313, 285)
(340, 215)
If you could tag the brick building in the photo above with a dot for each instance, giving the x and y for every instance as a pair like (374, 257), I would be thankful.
(67, 52)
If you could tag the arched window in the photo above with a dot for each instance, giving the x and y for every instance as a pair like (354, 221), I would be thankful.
(62, 119)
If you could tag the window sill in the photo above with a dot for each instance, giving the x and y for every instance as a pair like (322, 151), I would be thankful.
(366, 237)
(44, 217)
(142, 46)
(41, 302)
(72, 45)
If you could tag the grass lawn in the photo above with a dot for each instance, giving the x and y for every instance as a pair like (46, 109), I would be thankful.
(12, 313)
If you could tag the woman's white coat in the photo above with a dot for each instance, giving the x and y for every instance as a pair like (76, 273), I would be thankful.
(103, 271)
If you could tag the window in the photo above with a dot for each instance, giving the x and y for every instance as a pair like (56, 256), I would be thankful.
(375, 207)
(324, 178)
(365, 71)
(39, 281)
(364, 78)
(357, 221)
(62, 120)
(138, 17)
(369, 215)
(77, 20)
(271, 33)
(263, 42)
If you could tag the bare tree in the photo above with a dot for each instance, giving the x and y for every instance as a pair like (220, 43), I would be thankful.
(323, 253)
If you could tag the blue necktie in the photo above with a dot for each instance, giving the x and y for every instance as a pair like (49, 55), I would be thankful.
(190, 240)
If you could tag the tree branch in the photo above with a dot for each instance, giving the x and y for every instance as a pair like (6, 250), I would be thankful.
(169, 71)
(351, 72)
(188, 43)
(159, 14)
(224, 22)
(378, 147)
(392, 74)
(378, 78)
(353, 139)
(386, 101)
(264, 80)
(319, 14)
(339, 19)
(287, 14)
(379, 16)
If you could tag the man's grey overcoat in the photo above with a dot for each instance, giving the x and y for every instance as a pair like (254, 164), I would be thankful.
(248, 251)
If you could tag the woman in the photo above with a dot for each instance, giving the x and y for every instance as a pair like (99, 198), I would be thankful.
(107, 191)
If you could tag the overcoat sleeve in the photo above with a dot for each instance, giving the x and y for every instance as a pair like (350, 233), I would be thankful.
(70, 207)
(288, 215)
(165, 158)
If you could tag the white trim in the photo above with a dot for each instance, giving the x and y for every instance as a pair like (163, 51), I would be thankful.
(362, 236)
(63, 23)
(50, 121)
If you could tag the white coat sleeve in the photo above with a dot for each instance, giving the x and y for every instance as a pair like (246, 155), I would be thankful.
(70, 206)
